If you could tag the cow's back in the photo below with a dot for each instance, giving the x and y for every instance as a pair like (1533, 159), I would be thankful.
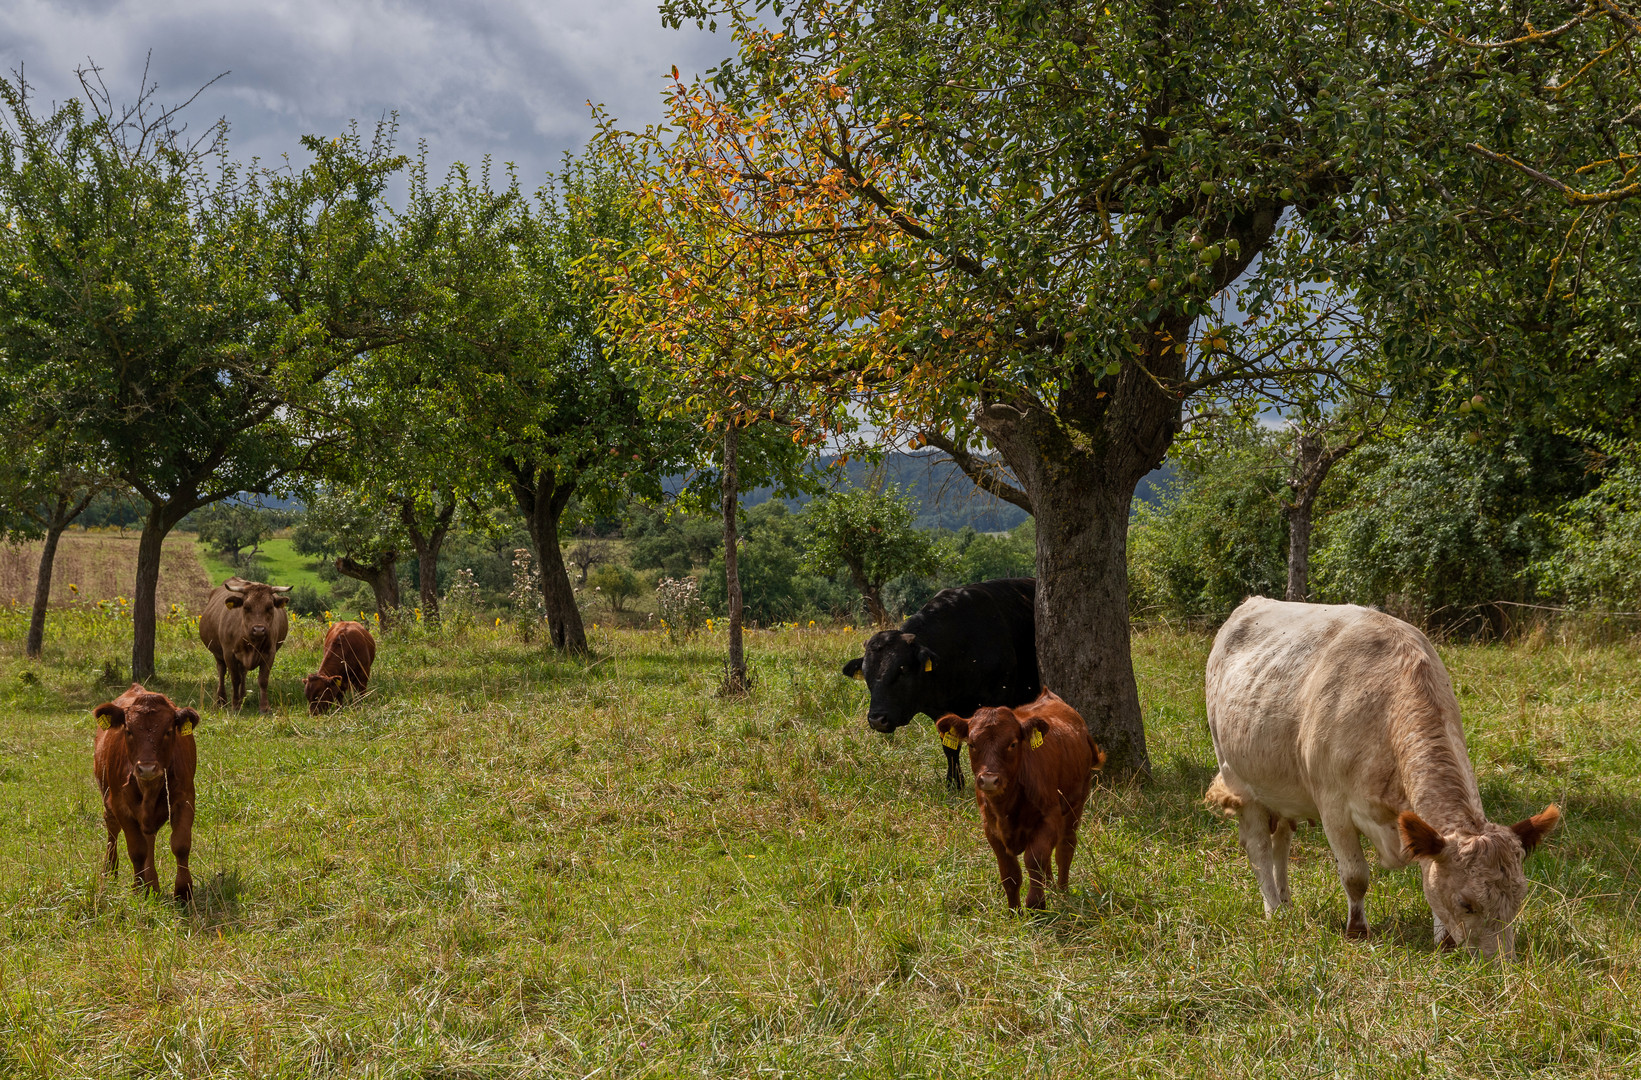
(987, 634)
(1061, 770)
(212, 621)
(348, 648)
(1314, 703)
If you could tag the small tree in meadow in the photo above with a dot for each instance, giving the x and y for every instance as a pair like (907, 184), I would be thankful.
(617, 584)
(870, 534)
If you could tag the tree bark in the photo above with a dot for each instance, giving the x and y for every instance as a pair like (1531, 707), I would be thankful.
(1079, 461)
(541, 500)
(383, 578)
(427, 547)
(42, 594)
(735, 682)
(63, 513)
(162, 517)
(873, 595)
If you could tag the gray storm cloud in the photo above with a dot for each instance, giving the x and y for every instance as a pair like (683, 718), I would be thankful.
(499, 77)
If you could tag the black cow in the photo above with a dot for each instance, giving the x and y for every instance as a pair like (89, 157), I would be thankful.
(971, 646)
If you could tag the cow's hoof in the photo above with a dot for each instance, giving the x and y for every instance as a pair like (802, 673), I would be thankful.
(1358, 933)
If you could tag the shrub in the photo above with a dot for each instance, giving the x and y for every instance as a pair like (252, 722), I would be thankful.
(617, 584)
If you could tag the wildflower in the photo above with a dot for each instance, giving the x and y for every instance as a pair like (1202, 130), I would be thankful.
(498, 620)
(73, 588)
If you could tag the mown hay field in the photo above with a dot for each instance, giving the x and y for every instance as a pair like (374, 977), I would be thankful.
(504, 864)
(101, 566)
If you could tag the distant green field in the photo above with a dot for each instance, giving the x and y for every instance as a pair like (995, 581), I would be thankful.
(506, 864)
(285, 566)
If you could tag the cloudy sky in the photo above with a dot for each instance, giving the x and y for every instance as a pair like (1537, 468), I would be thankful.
(509, 78)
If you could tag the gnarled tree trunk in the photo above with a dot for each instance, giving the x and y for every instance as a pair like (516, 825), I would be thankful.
(541, 500)
(383, 578)
(427, 545)
(162, 518)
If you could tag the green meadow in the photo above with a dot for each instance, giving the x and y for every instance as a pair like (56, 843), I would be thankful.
(280, 563)
(500, 863)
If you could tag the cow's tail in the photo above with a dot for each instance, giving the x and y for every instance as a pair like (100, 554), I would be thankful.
(1099, 755)
(1221, 799)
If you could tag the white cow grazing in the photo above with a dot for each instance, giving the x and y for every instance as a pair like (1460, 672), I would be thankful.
(1345, 715)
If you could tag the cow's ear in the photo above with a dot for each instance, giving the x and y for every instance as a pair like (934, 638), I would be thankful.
(232, 601)
(953, 724)
(852, 668)
(1532, 830)
(108, 715)
(186, 720)
(1419, 840)
(1032, 730)
(279, 599)
(927, 655)
(336, 681)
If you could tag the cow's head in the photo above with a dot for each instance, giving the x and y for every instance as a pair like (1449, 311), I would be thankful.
(256, 604)
(151, 726)
(322, 692)
(1474, 881)
(996, 738)
(902, 674)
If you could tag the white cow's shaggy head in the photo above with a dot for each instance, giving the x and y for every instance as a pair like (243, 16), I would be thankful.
(1473, 880)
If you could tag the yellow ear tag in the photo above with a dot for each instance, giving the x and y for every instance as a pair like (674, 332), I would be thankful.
(861, 675)
(1036, 739)
(928, 665)
(103, 724)
(187, 728)
(950, 740)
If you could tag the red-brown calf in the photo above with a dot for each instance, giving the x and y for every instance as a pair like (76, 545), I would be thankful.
(144, 760)
(349, 652)
(1033, 766)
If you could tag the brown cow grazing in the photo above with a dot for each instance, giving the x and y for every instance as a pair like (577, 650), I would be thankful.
(243, 625)
(1345, 715)
(1033, 766)
(349, 652)
(144, 760)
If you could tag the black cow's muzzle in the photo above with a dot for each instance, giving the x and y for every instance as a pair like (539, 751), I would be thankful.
(882, 723)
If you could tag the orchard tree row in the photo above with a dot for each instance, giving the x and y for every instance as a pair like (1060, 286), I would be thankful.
(1049, 240)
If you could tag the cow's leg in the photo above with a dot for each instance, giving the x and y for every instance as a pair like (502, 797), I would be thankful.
(140, 847)
(1253, 827)
(182, 838)
(1037, 861)
(222, 690)
(1353, 869)
(262, 685)
(1062, 856)
(1281, 834)
(1008, 868)
(953, 777)
(112, 824)
(238, 674)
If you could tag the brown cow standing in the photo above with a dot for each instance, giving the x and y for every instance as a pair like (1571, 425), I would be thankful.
(1033, 766)
(349, 652)
(243, 625)
(144, 760)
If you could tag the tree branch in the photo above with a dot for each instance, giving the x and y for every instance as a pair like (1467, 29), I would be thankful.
(983, 473)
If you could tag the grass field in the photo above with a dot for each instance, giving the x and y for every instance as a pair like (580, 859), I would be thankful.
(102, 566)
(501, 864)
(285, 565)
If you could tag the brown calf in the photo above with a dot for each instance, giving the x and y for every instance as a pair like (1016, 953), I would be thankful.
(349, 652)
(144, 761)
(1033, 766)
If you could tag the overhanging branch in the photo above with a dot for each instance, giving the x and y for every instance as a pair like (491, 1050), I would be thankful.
(983, 473)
